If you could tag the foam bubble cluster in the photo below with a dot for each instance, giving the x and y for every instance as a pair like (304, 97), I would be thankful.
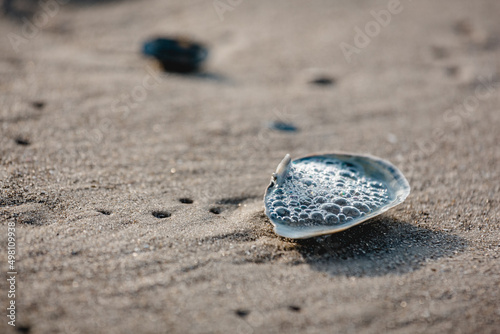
(325, 191)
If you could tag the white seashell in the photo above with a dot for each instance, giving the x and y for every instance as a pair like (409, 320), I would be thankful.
(328, 193)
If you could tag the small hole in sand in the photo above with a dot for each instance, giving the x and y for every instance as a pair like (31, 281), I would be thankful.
(24, 329)
(22, 141)
(242, 313)
(294, 308)
(186, 200)
(104, 212)
(323, 81)
(161, 214)
(215, 211)
(38, 104)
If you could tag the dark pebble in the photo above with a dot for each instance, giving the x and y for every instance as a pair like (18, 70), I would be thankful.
(176, 55)
(282, 126)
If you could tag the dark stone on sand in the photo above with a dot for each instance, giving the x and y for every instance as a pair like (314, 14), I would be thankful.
(176, 55)
(283, 126)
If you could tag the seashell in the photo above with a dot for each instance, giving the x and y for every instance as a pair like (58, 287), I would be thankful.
(328, 193)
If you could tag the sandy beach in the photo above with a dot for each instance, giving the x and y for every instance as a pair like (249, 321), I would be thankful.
(136, 195)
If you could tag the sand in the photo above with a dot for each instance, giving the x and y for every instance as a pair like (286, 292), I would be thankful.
(100, 151)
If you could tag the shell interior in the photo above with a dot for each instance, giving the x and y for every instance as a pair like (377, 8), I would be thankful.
(324, 194)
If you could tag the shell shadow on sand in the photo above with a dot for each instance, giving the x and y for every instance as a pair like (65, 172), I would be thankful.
(381, 247)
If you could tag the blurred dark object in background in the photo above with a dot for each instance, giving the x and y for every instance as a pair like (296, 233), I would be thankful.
(176, 55)
(282, 126)
(323, 81)
(6, 5)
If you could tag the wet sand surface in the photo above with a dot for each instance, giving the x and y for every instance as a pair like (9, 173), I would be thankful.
(137, 195)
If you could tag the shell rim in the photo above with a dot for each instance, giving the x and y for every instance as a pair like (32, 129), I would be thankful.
(286, 232)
